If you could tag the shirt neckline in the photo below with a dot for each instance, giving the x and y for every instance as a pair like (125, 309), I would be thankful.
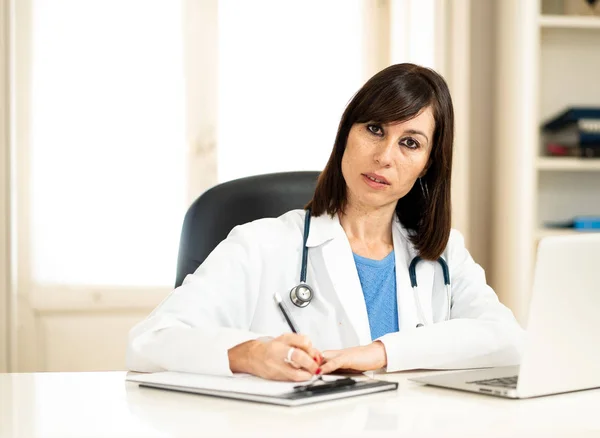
(387, 260)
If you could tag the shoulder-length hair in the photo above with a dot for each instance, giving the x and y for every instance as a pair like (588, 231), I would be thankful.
(395, 94)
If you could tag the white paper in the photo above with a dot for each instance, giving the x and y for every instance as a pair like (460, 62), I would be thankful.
(241, 383)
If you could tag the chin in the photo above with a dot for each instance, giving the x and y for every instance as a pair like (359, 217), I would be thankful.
(376, 201)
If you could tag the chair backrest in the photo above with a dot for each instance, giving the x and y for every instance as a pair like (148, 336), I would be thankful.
(217, 211)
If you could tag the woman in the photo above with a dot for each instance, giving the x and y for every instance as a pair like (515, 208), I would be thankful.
(382, 200)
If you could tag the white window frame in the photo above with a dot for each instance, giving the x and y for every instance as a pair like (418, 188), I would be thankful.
(199, 21)
(5, 175)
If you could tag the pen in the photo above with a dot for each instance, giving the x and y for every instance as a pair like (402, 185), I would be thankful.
(286, 314)
(293, 326)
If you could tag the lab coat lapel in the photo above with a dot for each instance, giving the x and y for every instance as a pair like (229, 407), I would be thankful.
(408, 317)
(342, 270)
(425, 272)
(339, 262)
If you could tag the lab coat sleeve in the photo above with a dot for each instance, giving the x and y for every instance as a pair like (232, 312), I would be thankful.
(481, 331)
(192, 329)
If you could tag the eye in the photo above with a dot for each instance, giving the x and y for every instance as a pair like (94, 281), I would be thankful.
(410, 143)
(375, 129)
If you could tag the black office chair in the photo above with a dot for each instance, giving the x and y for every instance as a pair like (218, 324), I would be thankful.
(218, 210)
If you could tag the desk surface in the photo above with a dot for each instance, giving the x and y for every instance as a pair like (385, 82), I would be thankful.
(104, 405)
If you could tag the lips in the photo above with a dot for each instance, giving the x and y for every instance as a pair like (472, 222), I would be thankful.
(377, 178)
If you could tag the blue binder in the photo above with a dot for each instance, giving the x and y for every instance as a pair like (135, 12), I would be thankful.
(572, 116)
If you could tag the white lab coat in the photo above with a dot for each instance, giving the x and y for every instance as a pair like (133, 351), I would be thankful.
(229, 300)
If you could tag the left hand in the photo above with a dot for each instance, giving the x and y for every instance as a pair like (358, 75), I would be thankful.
(363, 358)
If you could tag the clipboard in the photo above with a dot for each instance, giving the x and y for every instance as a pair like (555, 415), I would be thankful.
(252, 388)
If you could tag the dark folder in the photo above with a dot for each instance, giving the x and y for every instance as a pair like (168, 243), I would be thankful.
(571, 116)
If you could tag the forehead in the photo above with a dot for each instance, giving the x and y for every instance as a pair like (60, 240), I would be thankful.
(424, 121)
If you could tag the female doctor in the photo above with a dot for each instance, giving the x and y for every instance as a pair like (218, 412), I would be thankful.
(382, 201)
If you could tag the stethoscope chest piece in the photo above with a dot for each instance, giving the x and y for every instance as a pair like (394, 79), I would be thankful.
(301, 295)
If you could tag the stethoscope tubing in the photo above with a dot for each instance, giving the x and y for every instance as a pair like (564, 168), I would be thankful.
(305, 247)
(412, 271)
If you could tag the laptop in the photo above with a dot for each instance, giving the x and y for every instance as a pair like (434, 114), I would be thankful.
(562, 351)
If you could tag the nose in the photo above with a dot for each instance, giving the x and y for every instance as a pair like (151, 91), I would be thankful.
(383, 153)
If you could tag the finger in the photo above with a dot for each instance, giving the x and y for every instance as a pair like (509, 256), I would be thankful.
(302, 359)
(316, 356)
(299, 376)
(302, 342)
(296, 340)
(293, 364)
(331, 365)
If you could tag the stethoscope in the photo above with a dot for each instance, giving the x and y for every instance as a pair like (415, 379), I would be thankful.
(302, 294)
(412, 272)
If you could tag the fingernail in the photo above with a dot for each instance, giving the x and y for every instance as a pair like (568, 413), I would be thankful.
(316, 360)
(318, 371)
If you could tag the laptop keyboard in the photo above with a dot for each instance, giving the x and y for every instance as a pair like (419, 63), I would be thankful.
(503, 382)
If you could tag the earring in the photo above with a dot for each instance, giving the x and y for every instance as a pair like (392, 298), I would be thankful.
(424, 189)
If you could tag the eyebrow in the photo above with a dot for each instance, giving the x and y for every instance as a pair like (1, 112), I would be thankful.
(414, 131)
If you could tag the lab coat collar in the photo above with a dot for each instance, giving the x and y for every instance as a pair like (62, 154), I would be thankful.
(322, 229)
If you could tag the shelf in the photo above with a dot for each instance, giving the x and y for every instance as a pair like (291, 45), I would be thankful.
(571, 164)
(569, 22)
(546, 232)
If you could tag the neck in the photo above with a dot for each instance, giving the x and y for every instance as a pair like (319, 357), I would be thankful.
(368, 226)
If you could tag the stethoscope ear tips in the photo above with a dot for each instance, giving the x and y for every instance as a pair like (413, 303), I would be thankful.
(301, 295)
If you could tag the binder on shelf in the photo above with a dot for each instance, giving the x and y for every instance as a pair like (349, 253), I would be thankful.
(581, 150)
(574, 137)
(574, 132)
(585, 119)
(587, 223)
(580, 223)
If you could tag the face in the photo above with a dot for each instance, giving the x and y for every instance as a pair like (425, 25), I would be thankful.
(381, 163)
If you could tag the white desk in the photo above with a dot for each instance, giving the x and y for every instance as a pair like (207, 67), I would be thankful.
(104, 405)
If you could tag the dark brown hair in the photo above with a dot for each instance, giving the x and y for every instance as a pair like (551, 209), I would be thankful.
(395, 94)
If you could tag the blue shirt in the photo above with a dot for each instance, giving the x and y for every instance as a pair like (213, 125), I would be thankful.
(378, 281)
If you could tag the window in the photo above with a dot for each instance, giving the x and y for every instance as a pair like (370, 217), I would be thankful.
(107, 173)
(286, 72)
(107, 168)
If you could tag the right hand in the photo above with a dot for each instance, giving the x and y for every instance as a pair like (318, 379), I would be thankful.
(266, 358)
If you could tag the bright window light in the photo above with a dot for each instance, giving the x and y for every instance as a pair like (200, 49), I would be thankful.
(107, 157)
(287, 69)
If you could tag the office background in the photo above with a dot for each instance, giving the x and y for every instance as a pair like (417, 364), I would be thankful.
(116, 114)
